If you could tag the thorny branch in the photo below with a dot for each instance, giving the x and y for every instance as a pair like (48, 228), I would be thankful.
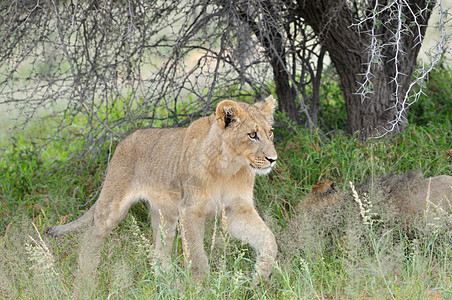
(409, 22)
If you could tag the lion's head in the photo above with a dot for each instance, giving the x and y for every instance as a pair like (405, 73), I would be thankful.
(247, 133)
(323, 195)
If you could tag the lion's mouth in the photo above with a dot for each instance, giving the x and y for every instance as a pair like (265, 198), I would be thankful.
(261, 170)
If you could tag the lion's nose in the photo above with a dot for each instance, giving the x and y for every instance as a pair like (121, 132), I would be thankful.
(270, 159)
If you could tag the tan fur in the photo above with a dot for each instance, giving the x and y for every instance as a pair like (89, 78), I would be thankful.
(408, 195)
(420, 195)
(323, 194)
(191, 173)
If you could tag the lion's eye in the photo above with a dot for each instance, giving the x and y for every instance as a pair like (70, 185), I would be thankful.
(253, 135)
(270, 134)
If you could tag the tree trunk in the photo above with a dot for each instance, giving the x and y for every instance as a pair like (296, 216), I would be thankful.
(314, 107)
(269, 34)
(285, 93)
(331, 21)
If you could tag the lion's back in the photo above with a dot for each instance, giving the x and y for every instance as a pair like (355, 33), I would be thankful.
(436, 190)
(148, 156)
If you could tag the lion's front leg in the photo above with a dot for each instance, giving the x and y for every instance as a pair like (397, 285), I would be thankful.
(192, 223)
(244, 223)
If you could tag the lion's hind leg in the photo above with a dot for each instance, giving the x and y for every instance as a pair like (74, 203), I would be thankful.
(109, 212)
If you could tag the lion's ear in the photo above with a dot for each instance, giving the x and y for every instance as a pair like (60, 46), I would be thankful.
(267, 106)
(227, 113)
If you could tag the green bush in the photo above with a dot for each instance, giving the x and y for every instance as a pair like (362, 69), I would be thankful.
(434, 105)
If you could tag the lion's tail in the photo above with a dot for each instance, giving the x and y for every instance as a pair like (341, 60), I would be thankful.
(82, 221)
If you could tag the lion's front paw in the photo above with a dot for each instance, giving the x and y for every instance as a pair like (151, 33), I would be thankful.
(263, 269)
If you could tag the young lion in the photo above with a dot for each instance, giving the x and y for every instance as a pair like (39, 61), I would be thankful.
(408, 195)
(189, 174)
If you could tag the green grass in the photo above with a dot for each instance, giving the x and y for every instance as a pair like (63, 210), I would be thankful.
(46, 185)
(36, 188)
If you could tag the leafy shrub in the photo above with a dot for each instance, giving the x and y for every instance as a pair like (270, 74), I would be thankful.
(435, 105)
